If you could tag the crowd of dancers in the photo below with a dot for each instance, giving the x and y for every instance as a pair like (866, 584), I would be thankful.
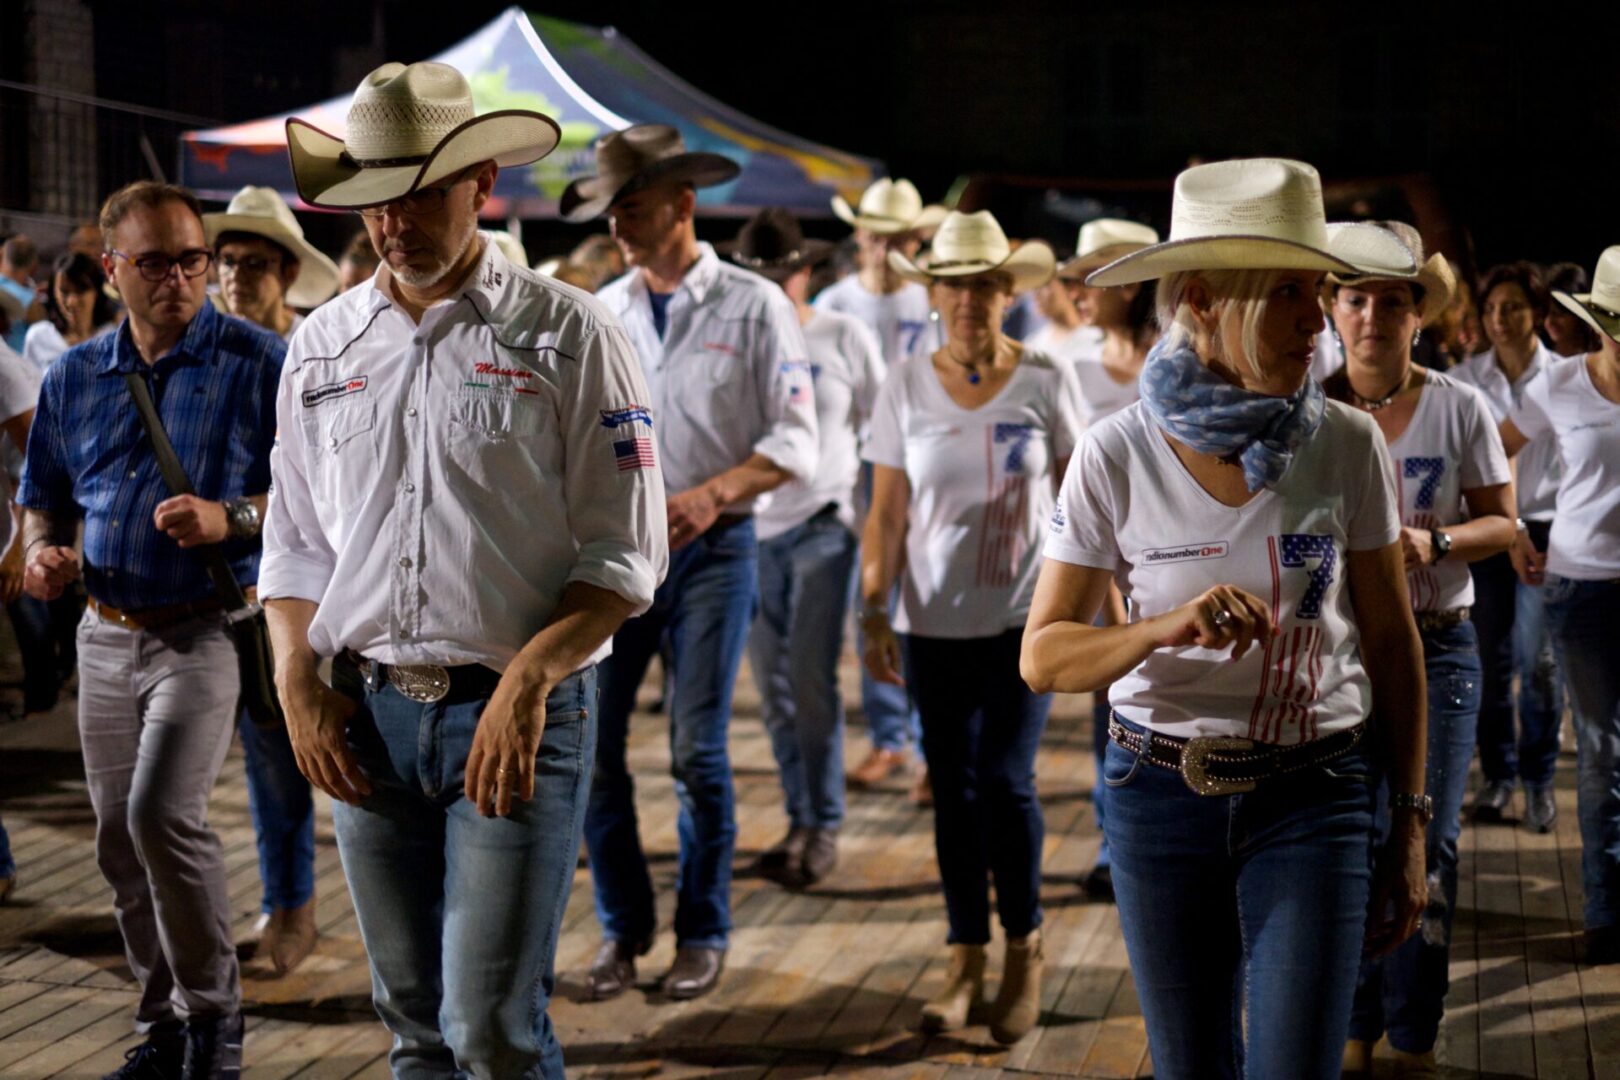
(1299, 516)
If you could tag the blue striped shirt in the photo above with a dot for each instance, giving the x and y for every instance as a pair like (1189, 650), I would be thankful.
(89, 455)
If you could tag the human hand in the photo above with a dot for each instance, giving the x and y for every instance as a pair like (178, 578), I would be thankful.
(1417, 548)
(691, 512)
(1400, 888)
(11, 573)
(191, 521)
(882, 653)
(500, 765)
(318, 728)
(49, 571)
(1528, 563)
(1247, 621)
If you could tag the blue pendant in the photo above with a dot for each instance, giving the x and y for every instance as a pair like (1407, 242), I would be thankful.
(973, 377)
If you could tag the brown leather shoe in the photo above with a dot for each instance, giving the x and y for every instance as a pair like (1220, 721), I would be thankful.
(694, 973)
(294, 938)
(819, 857)
(614, 969)
(780, 861)
(879, 765)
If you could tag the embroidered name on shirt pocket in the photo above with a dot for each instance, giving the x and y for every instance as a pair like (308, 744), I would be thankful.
(342, 452)
(496, 445)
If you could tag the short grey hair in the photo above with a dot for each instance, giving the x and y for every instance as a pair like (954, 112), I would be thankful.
(1239, 294)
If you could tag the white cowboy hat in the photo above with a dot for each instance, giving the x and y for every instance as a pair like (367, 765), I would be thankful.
(510, 246)
(969, 244)
(1256, 214)
(262, 211)
(1600, 308)
(1104, 240)
(636, 158)
(889, 207)
(1434, 274)
(409, 127)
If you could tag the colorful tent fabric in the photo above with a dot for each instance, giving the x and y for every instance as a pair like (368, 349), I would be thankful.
(590, 81)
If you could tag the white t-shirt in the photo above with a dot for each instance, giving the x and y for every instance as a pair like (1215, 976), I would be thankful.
(45, 343)
(1563, 402)
(1539, 468)
(1080, 343)
(981, 489)
(1450, 446)
(19, 392)
(1101, 395)
(1130, 506)
(847, 371)
(897, 319)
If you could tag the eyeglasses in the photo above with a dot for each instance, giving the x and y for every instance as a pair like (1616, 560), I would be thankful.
(157, 266)
(423, 201)
(252, 265)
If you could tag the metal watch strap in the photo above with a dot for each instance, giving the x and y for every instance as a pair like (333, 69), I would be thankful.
(1423, 803)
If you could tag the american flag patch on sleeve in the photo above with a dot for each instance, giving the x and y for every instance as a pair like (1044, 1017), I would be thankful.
(636, 453)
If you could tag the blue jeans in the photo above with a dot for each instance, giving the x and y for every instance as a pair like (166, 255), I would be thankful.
(704, 605)
(283, 816)
(46, 639)
(1510, 617)
(981, 728)
(1255, 901)
(1404, 993)
(793, 649)
(460, 913)
(1586, 632)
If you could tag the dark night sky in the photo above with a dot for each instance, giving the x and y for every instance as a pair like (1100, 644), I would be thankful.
(1500, 106)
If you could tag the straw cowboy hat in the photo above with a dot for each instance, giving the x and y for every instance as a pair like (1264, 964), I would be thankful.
(1600, 308)
(888, 207)
(1433, 274)
(969, 244)
(408, 128)
(634, 159)
(1104, 240)
(772, 244)
(1257, 214)
(262, 211)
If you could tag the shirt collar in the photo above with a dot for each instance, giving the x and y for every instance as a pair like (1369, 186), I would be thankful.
(697, 282)
(197, 343)
(487, 284)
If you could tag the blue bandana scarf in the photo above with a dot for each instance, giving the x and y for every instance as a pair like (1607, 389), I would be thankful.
(1195, 405)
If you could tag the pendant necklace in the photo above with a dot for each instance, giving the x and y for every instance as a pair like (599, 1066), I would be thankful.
(1374, 404)
(970, 369)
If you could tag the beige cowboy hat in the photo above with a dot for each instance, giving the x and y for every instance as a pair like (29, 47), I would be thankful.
(1256, 214)
(262, 211)
(1600, 308)
(409, 127)
(969, 244)
(1104, 240)
(888, 207)
(634, 159)
(1434, 274)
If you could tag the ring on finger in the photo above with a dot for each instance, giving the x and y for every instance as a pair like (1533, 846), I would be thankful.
(1223, 618)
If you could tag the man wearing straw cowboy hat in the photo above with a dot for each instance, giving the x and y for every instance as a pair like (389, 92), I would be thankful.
(462, 516)
(731, 397)
(889, 217)
(266, 267)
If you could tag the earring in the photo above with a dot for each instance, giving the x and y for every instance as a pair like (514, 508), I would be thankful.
(1417, 337)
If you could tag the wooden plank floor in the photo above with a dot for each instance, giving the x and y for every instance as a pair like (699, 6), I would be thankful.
(826, 981)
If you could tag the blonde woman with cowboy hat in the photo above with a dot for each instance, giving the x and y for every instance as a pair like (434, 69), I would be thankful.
(1270, 668)
(966, 446)
(1456, 506)
(1578, 401)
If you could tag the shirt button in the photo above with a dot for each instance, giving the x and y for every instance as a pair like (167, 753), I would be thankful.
(411, 411)
(132, 474)
(409, 487)
(115, 523)
(404, 635)
(405, 561)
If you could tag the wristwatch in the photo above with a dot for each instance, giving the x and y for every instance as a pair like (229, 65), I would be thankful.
(242, 519)
(1423, 804)
(1441, 542)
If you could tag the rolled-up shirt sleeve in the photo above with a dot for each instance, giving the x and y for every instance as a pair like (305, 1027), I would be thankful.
(298, 561)
(613, 486)
(782, 366)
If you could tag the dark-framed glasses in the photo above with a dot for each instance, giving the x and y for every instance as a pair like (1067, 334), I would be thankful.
(155, 266)
(422, 201)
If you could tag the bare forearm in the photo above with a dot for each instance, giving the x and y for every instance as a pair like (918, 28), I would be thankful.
(1480, 538)
(882, 557)
(755, 476)
(41, 528)
(586, 616)
(1394, 662)
(1076, 658)
(288, 621)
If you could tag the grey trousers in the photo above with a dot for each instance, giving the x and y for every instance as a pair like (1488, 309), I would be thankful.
(156, 713)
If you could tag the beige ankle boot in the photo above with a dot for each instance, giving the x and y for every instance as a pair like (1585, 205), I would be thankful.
(1018, 999)
(1358, 1056)
(964, 986)
(1416, 1066)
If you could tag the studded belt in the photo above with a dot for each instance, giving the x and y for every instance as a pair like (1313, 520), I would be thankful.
(1216, 765)
(1430, 622)
(424, 683)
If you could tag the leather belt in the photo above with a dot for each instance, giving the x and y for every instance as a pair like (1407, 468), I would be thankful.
(1214, 765)
(1432, 621)
(424, 683)
(163, 616)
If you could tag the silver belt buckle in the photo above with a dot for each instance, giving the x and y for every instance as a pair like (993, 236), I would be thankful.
(422, 683)
(1195, 765)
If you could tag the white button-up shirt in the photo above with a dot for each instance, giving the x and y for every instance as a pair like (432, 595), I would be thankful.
(730, 377)
(1540, 469)
(437, 486)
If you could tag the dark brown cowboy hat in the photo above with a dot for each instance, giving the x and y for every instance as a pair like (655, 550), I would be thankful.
(636, 158)
(772, 245)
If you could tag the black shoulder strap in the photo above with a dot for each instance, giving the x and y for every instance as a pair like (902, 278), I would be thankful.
(174, 477)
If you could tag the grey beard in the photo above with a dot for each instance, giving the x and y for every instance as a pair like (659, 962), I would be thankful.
(427, 279)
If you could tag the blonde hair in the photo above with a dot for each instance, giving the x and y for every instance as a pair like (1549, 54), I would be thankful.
(1238, 294)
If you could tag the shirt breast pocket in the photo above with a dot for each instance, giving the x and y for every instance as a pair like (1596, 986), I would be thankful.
(343, 452)
(497, 446)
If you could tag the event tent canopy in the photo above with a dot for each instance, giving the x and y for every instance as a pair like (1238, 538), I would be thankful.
(590, 81)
